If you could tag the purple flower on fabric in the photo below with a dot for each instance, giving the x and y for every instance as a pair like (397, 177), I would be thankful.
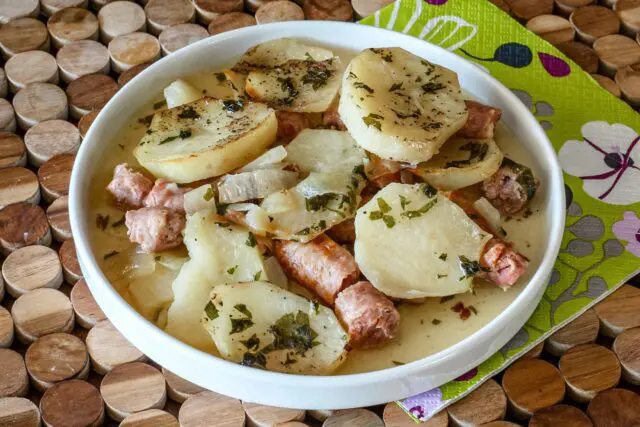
(629, 230)
(437, 2)
(424, 404)
(468, 376)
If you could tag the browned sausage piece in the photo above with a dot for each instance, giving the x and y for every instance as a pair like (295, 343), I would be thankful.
(511, 187)
(129, 187)
(345, 232)
(321, 265)
(290, 125)
(155, 229)
(481, 121)
(331, 118)
(166, 194)
(368, 315)
(505, 265)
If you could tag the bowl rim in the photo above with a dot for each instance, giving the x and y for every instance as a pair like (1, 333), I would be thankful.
(130, 323)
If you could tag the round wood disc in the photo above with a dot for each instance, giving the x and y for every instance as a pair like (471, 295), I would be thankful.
(501, 424)
(86, 121)
(615, 407)
(119, 18)
(89, 93)
(6, 328)
(70, 266)
(230, 21)
(150, 418)
(616, 51)
(34, 66)
(552, 28)
(129, 74)
(589, 369)
(72, 402)
(12, 150)
(32, 267)
(264, 416)
(320, 414)
(49, 7)
(609, 84)
(328, 10)
(485, 404)
(82, 57)
(532, 384)
(393, 416)
(54, 176)
(364, 8)
(58, 216)
(10, 10)
(19, 412)
(72, 24)
(524, 10)
(88, 314)
(178, 388)
(18, 185)
(108, 348)
(96, 5)
(593, 22)
(23, 224)
(619, 311)
(627, 348)
(40, 312)
(353, 418)
(22, 35)
(560, 415)
(38, 102)
(4, 85)
(14, 380)
(50, 138)
(253, 5)
(179, 36)
(629, 13)
(535, 352)
(581, 54)
(166, 13)
(279, 11)
(7, 116)
(133, 49)
(207, 10)
(582, 330)
(627, 81)
(204, 406)
(565, 7)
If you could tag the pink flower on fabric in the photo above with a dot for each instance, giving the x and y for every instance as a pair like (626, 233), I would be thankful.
(629, 230)
(437, 2)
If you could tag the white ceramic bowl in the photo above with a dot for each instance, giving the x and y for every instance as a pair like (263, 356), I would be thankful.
(295, 391)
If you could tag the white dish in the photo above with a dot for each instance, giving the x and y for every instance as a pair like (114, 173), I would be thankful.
(294, 391)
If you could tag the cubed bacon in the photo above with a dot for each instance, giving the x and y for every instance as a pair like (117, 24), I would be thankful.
(290, 125)
(321, 265)
(129, 188)
(155, 229)
(481, 121)
(368, 315)
(505, 265)
(166, 194)
(331, 118)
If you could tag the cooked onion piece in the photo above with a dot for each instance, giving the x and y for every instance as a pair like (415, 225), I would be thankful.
(271, 159)
(257, 184)
(255, 218)
(489, 213)
(412, 242)
(322, 150)
(180, 92)
(200, 199)
(275, 272)
(460, 163)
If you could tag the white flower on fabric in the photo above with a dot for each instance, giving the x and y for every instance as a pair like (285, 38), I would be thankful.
(607, 160)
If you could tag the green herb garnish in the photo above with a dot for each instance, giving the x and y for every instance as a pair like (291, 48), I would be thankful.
(436, 322)
(373, 120)
(232, 269)
(292, 332)
(244, 310)
(110, 254)
(470, 268)
(208, 195)
(239, 325)
(443, 256)
(211, 311)
(118, 223)
(188, 113)
(102, 221)
(220, 77)
(251, 240)
(445, 299)
(254, 360)
(395, 86)
(233, 106)
(419, 212)
(182, 135)
(256, 276)
(360, 85)
(432, 87)
(395, 362)
(160, 104)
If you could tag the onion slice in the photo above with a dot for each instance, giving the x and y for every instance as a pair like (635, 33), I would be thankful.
(489, 213)
(200, 199)
(266, 161)
(254, 185)
(255, 218)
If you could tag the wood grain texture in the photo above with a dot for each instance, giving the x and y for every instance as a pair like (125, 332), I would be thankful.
(4, 85)
(54, 176)
(206, 405)
(86, 121)
(32, 267)
(58, 217)
(627, 80)
(38, 102)
(627, 349)
(50, 138)
(230, 21)
(12, 150)
(82, 57)
(328, 10)
(129, 74)
(119, 18)
(174, 38)
(49, 7)
(582, 330)
(353, 418)
(615, 408)
(524, 10)
(279, 11)
(207, 10)
(11, 10)
(393, 416)
(19, 412)
(165, 13)
(581, 54)
(593, 22)
(22, 35)
(133, 49)
(23, 224)
(566, 7)
(265, 416)
(178, 388)
(485, 404)
(34, 66)
(7, 116)
(607, 83)
(552, 28)
(89, 93)
(629, 13)
(72, 24)
(18, 185)
(320, 414)
(364, 8)
(616, 51)
(108, 348)
(6, 328)
(150, 418)
(14, 380)
(40, 312)
(253, 5)
(560, 415)
(72, 403)
(619, 311)
(88, 314)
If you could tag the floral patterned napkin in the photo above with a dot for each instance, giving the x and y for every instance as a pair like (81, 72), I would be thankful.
(596, 137)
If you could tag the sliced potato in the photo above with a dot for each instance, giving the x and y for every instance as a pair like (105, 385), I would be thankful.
(278, 52)
(323, 150)
(412, 242)
(180, 92)
(206, 138)
(400, 106)
(262, 325)
(152, 293)
(461, 163)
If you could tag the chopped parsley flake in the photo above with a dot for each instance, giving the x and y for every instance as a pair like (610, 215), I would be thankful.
(118, 223)
(477, 152)
(233, 106)
(182, 135)
(254, 360)
(220, 77)
(352, 75)
(383, 205)
(360, 85)
(252, 343)
(251, 240)
(292, 332)
(443, 256)
(232, 269)
(404, 202)
(373, 120)
(244, 310)
(389, 221)
(211, 311)
(436, 322)
(395, 86)
(308, 57)
(317, 76)
(316, 307)
(240, 325)
(428, 190)
(470, 268)
(445, 299)
(110, 254)
(432, 87)
(375, 215)
(208, 195)
(102, 221)
(188, 113)
(256, 276)
(419, 212)
(395, 362)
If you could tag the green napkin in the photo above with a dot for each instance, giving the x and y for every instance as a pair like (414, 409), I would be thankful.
(596, 137)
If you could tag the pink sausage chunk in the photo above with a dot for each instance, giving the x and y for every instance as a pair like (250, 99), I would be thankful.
(166, 194)
(290, 125)
(129, 188)
(331, 118)
(505, 265)
(481, 121)
(155, 229)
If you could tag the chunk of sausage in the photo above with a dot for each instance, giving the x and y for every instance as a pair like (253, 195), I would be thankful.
(505, 265)
(331, 118)
(382, 172)
(155, 229)
(129, 188)
(290, 125)
(368, 315)
(166, 194)
(321, 265)
(511, 187)
(345, 232)
(481, 121)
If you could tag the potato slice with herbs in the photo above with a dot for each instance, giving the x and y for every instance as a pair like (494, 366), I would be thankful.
(412, 242)
(276, 53)
(264, 326)
(206, 138)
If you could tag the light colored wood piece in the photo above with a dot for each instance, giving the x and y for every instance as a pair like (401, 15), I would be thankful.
(4, 85)
(129, 74)
(108, 348)
(96, 5)
(485, 404)
(364, 8)
(165, 13)
(50, 7)
(72, 24)
(50, 138)
(610, 85)
(58, 217)
(7, 116)
(627, 81)
(588, 369)
(328, 10)
(593, 22)
(581, 54)
(34, 66)
(11, 10)
(12, 150)
(132, 387)
(532, 384)
(69, 260)
(293, 424)
(88, 314)
(178, 388)
(615, 408)
(86, 121)
(18, 185)
(14, 380)
(32, 267)
(133, 49)
(40, 312)
(6, 328)
(230, 21)
(353, 418)
(552, 28)
(119, 18)
(54, 176)
(393, 416)
(629, 13)
(615, 52)
(22, 35)
(82, 57)
(320, 414)
(23, 224)
(204, 406)
(150, 418)
(89, 93)
(72, 402)
(619, 311)
(627, 349)
(566, 7)
(582, 330)
(19, 412)
(207, 10)
(279, 11)
(560, 415)
(524, 10)
(266, 416)
(38, 102)
(179, 36)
